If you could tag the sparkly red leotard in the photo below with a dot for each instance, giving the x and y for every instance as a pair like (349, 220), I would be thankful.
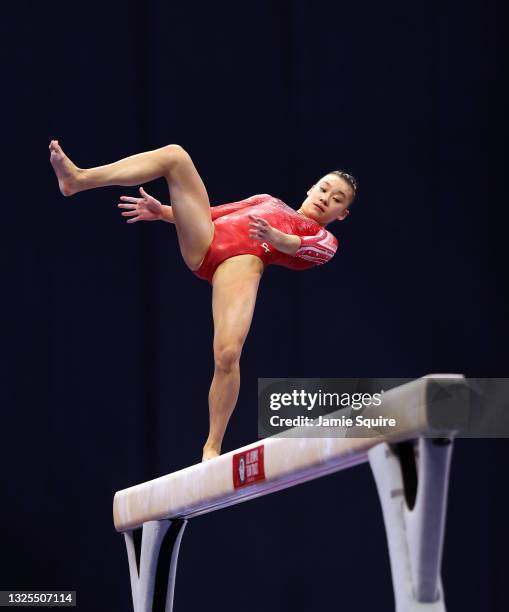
(231, 236)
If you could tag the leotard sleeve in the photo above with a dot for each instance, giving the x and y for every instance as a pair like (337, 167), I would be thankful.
(319, 248)
(226, 209)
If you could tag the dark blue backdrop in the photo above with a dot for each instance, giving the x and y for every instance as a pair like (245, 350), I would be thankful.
(107, 338)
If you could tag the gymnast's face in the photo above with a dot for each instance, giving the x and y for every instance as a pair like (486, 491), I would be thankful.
(328, 200)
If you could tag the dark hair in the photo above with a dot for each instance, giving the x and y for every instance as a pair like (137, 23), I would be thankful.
(349, 179)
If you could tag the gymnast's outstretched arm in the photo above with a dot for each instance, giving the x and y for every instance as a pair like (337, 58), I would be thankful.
(147, 208)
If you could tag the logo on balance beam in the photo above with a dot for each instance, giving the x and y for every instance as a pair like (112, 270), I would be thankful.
(248, 467)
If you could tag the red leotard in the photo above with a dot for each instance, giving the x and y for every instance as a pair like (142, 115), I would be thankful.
(231, 236)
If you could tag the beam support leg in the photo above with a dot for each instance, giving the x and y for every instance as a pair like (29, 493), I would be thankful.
(152, 553)
(412, 481)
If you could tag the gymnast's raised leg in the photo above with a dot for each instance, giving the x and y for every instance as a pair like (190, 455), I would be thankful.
(189, 199)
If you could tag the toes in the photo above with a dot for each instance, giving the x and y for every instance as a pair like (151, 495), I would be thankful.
(54, 147)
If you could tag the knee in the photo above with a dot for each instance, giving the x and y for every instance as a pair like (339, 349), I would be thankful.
(173, 155)
(227, 357)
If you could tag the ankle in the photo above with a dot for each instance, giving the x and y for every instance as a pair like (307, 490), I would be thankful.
(211, 446)
(80, 178)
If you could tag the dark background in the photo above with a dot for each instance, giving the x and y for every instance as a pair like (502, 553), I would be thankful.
(107, 336)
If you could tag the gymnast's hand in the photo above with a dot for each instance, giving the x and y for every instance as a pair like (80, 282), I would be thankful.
(145, 208)
(259, 229)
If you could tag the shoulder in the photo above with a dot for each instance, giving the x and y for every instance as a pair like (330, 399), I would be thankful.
(271, 201)
(261, 196)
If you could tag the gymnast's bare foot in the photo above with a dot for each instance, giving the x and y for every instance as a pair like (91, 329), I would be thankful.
(67, 173)
(210, 452)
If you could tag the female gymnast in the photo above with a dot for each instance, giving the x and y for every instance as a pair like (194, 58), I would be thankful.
(228, 245)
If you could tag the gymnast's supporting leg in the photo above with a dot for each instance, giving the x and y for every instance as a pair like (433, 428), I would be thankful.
(412, 482)
(153, 568)
(234, 290)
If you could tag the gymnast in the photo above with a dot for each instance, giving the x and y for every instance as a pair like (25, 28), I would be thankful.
(228, 245)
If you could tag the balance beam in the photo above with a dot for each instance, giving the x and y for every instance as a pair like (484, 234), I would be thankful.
(153, 515)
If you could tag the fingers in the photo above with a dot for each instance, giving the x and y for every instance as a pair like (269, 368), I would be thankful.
(257, 234)
(259, 229)
(258, 222)
(129, 199)
(131, 210)
(148, 198)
